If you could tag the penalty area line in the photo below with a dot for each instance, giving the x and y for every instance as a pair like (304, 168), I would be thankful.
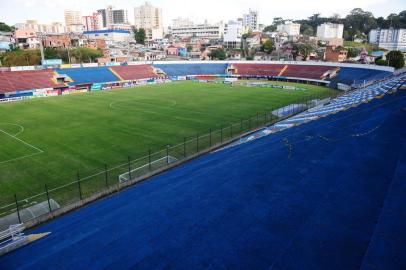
(39, 151)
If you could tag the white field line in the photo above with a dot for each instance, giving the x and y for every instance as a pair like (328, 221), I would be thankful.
(18, 158)
(17, 125)
(40, 151)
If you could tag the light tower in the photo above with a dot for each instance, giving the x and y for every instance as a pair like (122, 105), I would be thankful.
(41, 36)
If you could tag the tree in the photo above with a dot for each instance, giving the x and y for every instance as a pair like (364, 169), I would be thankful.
(269, 28)
(277, 21)
(140, 35)
(306, 30)
(335, 18)
(51, 53)
(21, 58)
(380, 62)
(359, 22)
(352, 52)
(396, 59)
(268, 46)
(244, 45)
(300, 48)
(218, 54)
(6, 28)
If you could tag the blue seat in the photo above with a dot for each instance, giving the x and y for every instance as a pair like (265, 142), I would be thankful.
(349, 76)
(89, 75)
(192, 69)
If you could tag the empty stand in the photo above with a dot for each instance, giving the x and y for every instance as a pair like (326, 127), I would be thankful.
(89, 75)
(135, 72)
(306, 71)
(192, 69)
(25, 80)
(258, 69)
(349, 75)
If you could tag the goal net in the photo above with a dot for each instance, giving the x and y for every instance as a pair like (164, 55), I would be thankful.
(154, 165)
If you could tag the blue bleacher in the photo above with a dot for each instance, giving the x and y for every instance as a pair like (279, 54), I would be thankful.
(350, 76)
(192, 69)
(88, 75)
(326, 195)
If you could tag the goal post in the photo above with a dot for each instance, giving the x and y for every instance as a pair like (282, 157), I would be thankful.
(154, 165)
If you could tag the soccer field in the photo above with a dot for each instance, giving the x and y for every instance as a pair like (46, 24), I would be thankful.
(47, 140)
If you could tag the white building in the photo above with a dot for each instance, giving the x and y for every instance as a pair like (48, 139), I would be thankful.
(181, 22)
(54, 28)
(290, 28)
(331, 33)
(72, 17)
(120, 16)
(214, 31)
(109, 35)
(112, 16)
(250, 20)
(389, 39)
(93, 22)
(75, 28)
(232, 34)
(330, 30)
(150, 19)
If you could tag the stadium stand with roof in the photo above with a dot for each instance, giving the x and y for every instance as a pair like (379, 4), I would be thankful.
(325, 194)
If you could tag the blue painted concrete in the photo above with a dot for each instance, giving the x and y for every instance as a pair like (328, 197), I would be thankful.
(330, 194)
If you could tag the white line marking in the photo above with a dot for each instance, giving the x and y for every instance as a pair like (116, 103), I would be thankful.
(30, 145)
(17, 125)
(40, 151)
(14, 159)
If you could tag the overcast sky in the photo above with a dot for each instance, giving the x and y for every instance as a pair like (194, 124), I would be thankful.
(46, 11)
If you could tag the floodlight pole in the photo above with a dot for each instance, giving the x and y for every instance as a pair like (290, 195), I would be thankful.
(41, 37)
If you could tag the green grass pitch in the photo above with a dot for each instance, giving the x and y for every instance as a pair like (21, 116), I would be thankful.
(47, 140)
